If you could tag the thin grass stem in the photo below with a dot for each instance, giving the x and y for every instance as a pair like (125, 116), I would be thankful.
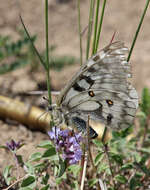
(95, 26)
(138, 29)
(92, 3)
(80, 33)
(47, 53)
(33, 46)
(100, 26)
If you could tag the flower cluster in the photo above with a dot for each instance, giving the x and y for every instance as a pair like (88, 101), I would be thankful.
(67, 142)
(13, 146)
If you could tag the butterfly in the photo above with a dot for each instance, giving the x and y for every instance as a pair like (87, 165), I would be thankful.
(100, 90)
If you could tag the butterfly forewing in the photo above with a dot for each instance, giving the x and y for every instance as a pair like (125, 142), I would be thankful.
(100, 90)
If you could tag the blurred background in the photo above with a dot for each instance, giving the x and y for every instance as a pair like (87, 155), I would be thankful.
(20, 70)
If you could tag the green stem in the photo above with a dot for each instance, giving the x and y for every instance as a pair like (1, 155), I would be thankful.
(138, 29)
(80, 35)
(47, 52)
(34, 48)
(100, 26)
(104, 135)
(92, 3)
(95, 27)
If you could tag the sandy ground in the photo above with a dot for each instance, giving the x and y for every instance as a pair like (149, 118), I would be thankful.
(120, 16)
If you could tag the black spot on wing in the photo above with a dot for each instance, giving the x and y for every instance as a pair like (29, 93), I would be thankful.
(78, 88)
(109, 118)
(87, 79)
(92, 70)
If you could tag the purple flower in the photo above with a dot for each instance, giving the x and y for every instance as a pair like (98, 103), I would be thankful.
(73, 152)
(54, 133)
(68, 143)
(12, 145)
(64, 133)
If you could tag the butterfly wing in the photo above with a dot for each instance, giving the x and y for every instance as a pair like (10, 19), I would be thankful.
(100, 90)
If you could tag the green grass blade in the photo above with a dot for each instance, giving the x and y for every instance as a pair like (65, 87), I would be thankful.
(92, 3)
(80, 35)
(47, 53)
(27, 33)
(138, 29)
(95, 26)
(100, 26)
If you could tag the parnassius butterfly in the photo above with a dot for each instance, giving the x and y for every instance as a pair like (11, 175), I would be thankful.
(100, 90)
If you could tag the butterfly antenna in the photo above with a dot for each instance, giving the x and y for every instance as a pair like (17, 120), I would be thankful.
(113, 36)
(111, 41)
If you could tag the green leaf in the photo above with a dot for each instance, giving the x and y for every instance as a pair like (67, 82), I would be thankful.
(142, 167)
(135, 182)
(144, 150)
(45, 179)
(4, 147)
(121, 179)
(103, 167)
(29, 168)
(99, 158)
(118, 158)
(25, 188)
(75, 185)
(98, 143)
(35, 156)
(121, 134)
(7, 170)
(145, 102)
(50, 154)
(75, 169)
(111, 188)
(62, 167)
(20, 160)
(45, 144)
(46, 187)
(92, 182)
(127, 166)
(29, 182)
(141, 114)
(10, 179)
(39, 166)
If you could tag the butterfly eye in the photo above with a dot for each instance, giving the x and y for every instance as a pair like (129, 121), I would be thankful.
(91, 93)
(109, 102)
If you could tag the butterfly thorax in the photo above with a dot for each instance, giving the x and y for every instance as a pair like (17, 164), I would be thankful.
(58, 115)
